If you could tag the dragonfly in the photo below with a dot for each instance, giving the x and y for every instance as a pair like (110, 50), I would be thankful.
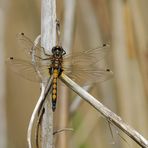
(79, 66)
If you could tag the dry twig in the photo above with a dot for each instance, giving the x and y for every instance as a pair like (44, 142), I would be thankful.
(109, 115)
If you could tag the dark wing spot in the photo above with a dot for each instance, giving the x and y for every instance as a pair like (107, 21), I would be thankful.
(11, 58)
(104, 45)
(108, 70)
(22, 33)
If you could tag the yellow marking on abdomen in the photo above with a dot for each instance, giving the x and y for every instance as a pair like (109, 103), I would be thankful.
(54, 97)
(55, 73)
(54, 80)
(54, 88)
(54, 91)
(54, 85)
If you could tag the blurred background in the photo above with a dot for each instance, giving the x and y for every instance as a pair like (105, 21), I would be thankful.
(85, 24)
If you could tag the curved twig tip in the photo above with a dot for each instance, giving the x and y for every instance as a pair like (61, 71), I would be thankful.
(62, 130)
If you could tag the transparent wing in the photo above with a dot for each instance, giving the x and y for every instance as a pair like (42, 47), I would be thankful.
(27, 45)
(27, 70)
(86, 58)
(89, 76)
(82, 67)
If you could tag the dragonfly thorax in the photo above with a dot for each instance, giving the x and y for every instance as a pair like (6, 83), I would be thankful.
(58, 51)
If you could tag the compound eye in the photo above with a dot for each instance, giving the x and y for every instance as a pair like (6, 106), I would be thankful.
(53, 50)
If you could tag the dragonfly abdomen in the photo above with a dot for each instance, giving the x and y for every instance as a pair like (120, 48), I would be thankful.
(54, 89)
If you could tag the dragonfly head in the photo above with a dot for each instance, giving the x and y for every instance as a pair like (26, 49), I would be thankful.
(58, 51)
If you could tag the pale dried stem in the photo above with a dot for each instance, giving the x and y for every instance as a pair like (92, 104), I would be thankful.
(125, 66)
(29, 132)
(141, 36)
(48, 40)
(109, 115)
(3, 124)
(45, 89)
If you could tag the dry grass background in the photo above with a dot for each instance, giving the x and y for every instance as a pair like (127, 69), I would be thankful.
(123, 24)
